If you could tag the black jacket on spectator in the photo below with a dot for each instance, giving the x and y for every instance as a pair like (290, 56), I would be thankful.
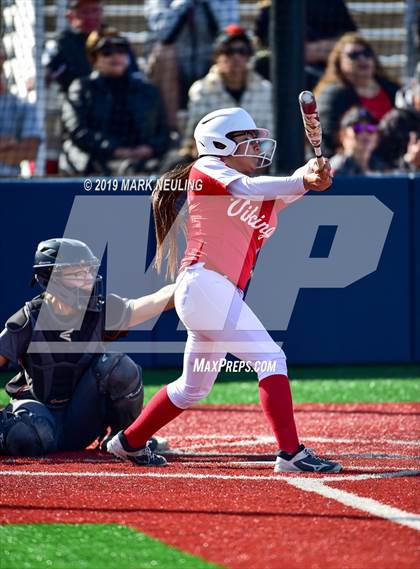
(394, 130)
(99, 117)
(324, 20)
(68, 60)
(334, 101)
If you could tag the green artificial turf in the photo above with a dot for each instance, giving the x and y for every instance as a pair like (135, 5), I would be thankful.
(88, 546)
(331, 384)
(309, 385)
(324, 391)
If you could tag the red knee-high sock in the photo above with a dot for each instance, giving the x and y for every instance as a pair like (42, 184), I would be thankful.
(158, 412)
(276, 400)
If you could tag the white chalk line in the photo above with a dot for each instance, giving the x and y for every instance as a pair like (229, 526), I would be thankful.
(146, 473)
(143, 474)
(367, 505)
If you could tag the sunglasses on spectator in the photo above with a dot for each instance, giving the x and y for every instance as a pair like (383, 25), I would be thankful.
(354, 55)
(230, 50)
(360, 127)
(109, 50)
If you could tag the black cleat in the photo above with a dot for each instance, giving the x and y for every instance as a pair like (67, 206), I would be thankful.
(142, 457)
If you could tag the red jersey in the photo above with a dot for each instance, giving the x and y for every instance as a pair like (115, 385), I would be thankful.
(378, 105)
(223, 231)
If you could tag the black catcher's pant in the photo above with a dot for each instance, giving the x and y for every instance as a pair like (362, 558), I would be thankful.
(109, 394)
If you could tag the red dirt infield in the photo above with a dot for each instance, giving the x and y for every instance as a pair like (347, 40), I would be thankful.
(220, 499)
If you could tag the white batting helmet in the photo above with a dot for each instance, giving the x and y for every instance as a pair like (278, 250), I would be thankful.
(214, 127)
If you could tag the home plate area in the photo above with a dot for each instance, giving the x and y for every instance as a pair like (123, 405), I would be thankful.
(220, 499)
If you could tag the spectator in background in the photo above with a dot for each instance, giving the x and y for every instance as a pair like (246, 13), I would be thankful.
(354, 77)
(399, 130)
(20, 130)
(358, 137)
(326, 21)
(113, 120)
(66, 58)
(231, 83)
(183, 32)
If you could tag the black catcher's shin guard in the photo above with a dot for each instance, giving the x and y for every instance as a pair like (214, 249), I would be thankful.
(120, 379)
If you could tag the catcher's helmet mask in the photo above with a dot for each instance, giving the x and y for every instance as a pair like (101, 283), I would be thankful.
(52, 257)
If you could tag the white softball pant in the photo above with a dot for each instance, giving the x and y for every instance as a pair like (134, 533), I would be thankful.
(218, 321)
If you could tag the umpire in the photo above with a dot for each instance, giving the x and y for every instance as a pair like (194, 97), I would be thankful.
(65, 401)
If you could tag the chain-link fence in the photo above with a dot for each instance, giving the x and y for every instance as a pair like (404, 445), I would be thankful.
(115, 87)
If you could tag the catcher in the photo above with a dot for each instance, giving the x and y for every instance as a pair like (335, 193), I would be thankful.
(65, 401)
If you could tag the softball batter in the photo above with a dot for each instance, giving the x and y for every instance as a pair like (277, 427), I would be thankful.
(230, 216)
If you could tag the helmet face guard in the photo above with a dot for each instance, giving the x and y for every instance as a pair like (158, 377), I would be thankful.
(53, 281)
(267, 147)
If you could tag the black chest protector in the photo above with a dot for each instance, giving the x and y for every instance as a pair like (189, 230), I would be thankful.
(52, 377)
